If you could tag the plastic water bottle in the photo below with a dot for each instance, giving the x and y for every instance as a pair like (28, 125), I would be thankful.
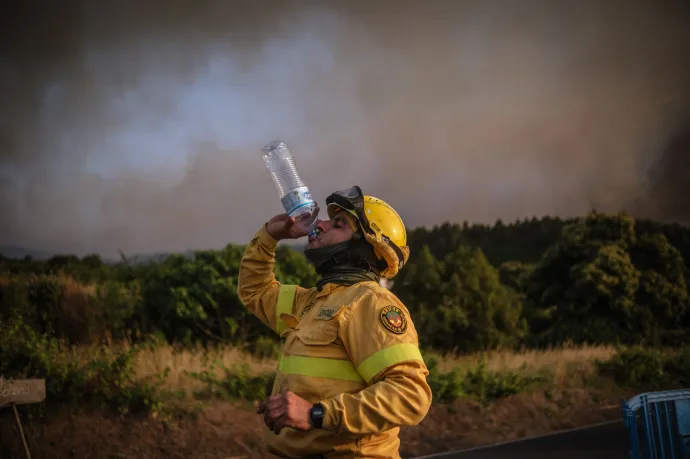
(294, 195)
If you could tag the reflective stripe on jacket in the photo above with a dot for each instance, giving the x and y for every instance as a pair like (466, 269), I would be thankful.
(352, 348)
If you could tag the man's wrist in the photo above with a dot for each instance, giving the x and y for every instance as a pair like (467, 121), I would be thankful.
(266, 237)
(269, 233)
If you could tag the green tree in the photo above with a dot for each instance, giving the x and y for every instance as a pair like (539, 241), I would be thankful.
(662, 295)
(460, 301)
(602, 284)
(292, 267)
(583, 287)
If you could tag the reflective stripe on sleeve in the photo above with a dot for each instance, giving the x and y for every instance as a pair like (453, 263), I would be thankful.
(344, 369)
(319, 368)
(286, 298)
(388, 357)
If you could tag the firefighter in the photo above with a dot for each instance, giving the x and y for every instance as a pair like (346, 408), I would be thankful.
(351, 373)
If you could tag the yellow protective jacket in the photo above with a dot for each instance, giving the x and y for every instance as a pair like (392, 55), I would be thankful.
(352, 348)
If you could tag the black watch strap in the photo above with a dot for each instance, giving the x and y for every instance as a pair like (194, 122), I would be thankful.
(316, 414)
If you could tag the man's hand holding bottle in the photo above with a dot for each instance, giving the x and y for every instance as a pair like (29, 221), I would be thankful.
(284, 227)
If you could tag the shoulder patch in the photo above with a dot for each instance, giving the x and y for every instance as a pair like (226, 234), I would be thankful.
(393, 318)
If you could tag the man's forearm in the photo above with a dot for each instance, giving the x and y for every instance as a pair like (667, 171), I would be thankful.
(401, 398)
(256, 279)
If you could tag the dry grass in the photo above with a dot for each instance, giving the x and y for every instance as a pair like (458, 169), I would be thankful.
(561, 362)
(155, 361)
(233, 429)
(565, 366)
(71, 285)
(76, 288)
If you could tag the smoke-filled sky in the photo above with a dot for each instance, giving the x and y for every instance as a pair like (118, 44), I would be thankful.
(138, 125)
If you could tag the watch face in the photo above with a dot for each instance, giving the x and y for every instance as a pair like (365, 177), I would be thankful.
(317, 415)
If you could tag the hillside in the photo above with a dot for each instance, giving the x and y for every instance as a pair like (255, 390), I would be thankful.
(524, 241)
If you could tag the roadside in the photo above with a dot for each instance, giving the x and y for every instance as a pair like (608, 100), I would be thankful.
(208, 411)
(223, 429)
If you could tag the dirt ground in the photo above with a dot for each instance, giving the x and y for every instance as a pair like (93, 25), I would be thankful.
(224, 430)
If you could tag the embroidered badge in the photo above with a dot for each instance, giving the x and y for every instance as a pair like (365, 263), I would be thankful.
(394, 319)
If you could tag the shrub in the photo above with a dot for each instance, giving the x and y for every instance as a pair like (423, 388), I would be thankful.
(644, 368)
(106, 379)
(236, 383)
(477, 383)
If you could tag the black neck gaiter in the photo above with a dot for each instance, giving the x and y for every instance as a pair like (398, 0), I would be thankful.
(344, 263)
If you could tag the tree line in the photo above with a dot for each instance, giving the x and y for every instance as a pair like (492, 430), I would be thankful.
(599, 279)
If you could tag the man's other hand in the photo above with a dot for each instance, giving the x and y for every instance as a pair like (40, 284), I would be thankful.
(286, 410)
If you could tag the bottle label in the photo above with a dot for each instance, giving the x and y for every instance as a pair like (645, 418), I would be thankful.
(296, 199)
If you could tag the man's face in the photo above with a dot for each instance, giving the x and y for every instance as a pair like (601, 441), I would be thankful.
(331, 232)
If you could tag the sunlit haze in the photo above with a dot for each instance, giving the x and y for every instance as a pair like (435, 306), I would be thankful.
(138, 127)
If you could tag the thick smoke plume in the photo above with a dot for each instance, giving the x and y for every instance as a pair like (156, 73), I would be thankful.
(667, 191)
(138, 125)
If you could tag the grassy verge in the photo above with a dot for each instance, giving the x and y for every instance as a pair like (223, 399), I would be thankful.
(192, 393)
(140, 379)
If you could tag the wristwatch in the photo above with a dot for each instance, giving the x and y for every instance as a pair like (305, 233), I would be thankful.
(316, 415)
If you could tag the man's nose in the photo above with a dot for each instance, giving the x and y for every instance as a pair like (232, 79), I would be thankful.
(322, 226)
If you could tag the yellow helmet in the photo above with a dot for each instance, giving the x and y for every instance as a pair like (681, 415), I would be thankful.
(380, 224)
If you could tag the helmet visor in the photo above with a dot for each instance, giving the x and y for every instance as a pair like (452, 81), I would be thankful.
(352, 200)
